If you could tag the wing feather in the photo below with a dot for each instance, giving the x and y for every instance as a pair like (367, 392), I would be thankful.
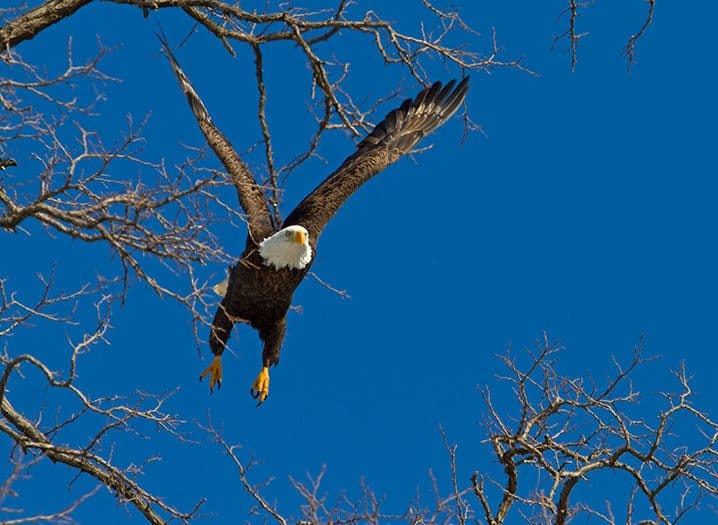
(393, 137)
(251, 197)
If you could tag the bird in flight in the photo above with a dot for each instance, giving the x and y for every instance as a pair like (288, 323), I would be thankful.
(276, 258)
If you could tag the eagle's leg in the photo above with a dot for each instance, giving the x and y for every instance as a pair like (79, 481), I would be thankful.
(260, 387)
(214, 370)
(272, 336)
(218, 335)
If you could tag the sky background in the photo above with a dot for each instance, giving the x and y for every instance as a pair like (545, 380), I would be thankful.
(585, 209)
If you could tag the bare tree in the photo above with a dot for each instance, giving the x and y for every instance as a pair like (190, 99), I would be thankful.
(59, 176)
(566, 429)
(561, 433)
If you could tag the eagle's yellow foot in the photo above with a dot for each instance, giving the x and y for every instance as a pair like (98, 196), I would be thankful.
(260, 387)
(214, 370)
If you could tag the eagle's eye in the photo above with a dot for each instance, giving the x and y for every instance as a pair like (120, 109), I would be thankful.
(288, 234)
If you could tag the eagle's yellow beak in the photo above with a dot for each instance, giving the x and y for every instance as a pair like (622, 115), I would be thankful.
(301, 237)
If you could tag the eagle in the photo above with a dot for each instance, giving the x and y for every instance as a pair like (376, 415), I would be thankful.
(276, 258)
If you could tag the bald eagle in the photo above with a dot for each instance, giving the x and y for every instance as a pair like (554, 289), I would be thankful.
(276, 258)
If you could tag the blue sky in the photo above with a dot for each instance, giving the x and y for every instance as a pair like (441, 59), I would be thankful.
(585, 209)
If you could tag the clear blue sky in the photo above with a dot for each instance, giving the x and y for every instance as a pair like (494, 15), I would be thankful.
(587, 209)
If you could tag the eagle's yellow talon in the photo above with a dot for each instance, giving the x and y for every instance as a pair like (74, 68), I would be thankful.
(214, 370)
(260, 387)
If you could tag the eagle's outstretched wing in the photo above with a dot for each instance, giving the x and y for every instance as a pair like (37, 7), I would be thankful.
(393, 137)
(251, 196)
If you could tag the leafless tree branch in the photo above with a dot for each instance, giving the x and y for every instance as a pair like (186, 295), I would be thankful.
(100, 417)
(571, 34)
(570, 429)
(574, 10)
(630, 50)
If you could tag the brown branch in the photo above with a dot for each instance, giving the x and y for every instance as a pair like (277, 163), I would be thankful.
(341, 293)
(571, 34)
(253, 490)
(630, 49)
(262, 117)
(37, 439)
(29, 438)
(31, 23)
(462, 512)
(61, 516)
(567, 431)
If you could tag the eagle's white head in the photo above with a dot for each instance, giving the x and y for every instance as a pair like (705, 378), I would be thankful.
(288, 248)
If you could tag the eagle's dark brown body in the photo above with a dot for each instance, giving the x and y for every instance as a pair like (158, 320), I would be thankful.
(260, 294)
